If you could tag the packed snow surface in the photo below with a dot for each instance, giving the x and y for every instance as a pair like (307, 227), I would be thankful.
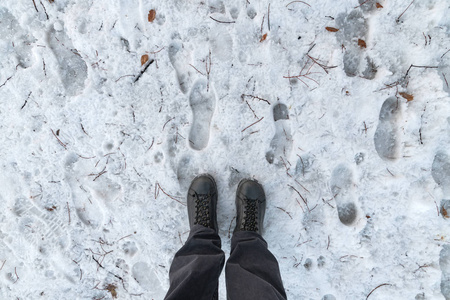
(339, 108)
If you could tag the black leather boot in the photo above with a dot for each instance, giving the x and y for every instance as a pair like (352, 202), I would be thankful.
(250, 206)
(202, 202)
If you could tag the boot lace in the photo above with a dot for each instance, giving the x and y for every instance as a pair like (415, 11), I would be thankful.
(251, 215)
(202, 216)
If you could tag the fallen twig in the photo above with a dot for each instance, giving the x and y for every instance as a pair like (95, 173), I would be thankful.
(35, 7)
(255, 97)
(68, 210)
(225, 22)
(143, 70)
(6, 81)
(26, 101)
(398, 19)
(376, 288)
(284, 211)
(45, 10)
(59, 141)
(158, 188)
(298, 2)
(167, 122)
(424, 67)
(445, 53)
(15, 271)
(252, 124)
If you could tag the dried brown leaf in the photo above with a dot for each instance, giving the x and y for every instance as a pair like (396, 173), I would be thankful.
(151, 15)
(332, 29)
(144, 59)
(379, 5)
(51, 1)
(407, 96)
(362, 43)
(263, 37)
(444, 213)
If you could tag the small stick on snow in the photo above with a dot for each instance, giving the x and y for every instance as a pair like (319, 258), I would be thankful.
(362, 3)
(424, 67)
(82, 128)
(255, 97)
(43, 67)
(398, 19)
(251, 109)
(251, 124)
(328, 245)
(45, 10)
(15, 271)
(167, 122)
(3, 265)
(153, 141)
(297, 2)
(171, 197)
(34, 3)
(68, 210)
(445, 53)
(6, 81)
(26, 101)
(437, 208)
(61, 143)
(143, 71)
(376, 288)
(268, 17)
(181, 241)
(197, 70)
(446, 82)
(284, 211)
(123, 77)
(225, 22)
(303, 199)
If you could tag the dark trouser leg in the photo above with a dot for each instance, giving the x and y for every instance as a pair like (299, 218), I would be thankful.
(194, 273)
(252, 272)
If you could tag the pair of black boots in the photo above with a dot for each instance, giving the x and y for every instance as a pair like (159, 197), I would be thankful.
(250, 204)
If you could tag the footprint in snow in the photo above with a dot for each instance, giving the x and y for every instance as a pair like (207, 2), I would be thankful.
(387, 134)
(72, 67)
(10, 30)
(352, 34)
(39, 227)
(281, 143)
(444, 264)
(203, 102)
(180, 61)
(342, 187)
(88, 211)
(440, 170)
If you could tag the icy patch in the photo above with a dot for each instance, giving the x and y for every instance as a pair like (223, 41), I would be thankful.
(386, 136)
(281, 144)
(72, 67)
(203, 103)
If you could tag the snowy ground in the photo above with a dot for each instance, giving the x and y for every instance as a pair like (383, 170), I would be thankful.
(96, 159)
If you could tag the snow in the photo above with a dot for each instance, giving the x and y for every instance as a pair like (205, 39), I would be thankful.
(95, 165)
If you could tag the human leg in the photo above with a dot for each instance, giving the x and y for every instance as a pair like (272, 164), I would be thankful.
(252, 272)
(196, 268)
